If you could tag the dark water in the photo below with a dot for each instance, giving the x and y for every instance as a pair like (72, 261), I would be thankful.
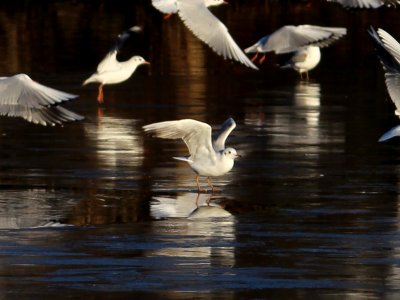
(98, 210)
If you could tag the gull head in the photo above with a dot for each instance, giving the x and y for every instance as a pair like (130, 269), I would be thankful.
(138, 60)
(230, 153)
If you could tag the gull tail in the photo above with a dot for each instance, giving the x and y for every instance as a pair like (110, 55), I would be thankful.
(395, 131)
(91, 79)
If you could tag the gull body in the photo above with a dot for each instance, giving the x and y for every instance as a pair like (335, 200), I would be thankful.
(20, 96)
(302, 40)
(304, 60)
(112, 71)
(207, 158)
(388, 51)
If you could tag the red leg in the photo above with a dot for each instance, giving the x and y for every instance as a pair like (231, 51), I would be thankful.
(254, 57)
(100, 97)
(167, 16)
(262, 59)
(210, 184)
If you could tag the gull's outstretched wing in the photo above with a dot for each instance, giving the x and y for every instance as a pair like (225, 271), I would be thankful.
(196, 135)
(365, 3)
(20, 96)
(165, 6)
(388, 51)
(110, 62)
(226, 129)
(204, 25)
(290, 38)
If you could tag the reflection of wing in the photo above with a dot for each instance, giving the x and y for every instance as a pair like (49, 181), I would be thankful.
(165, 6)
(20, 96)
(196, 135)
(210, 30)
(206, 212)
(181, 207)
(226, 129)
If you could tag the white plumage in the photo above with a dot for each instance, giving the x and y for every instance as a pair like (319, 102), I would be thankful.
(112, 71)
(20, 96)
(205, 26)
(365, 3)
(205, 158)
(388, 50)
(302, 40)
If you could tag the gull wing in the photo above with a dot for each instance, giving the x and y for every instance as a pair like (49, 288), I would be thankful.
(388, 49)
(165, 6)
(290, 38)
(20, 96)
(196, 16)
(195, 134)
(365, 3)
(226, 129)
(110, 62)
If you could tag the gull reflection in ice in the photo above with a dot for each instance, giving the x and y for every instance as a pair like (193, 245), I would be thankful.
(187, 205)
(307, 94)
(33, 208)
(117, 142)
(201, 228)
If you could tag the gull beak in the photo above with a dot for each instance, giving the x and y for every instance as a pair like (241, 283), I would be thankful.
(225, 2)
(238, 156)
(146, 63)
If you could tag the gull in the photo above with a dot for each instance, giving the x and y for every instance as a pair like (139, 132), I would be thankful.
(207, 158)
(388, 51)
(20, 96)
(112, 71)
(170, 7)
(209, 29)
(304, 41)
(365, 3)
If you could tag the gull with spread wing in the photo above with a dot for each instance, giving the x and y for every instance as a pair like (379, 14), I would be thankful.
(112, 71)
(170, 7)
(304, 41)
(20, 96)
(207, 158)
(388, 51)
(209, 29)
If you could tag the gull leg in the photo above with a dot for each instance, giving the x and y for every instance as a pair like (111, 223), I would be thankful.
(254, 57)
(307, 76)
(167, 16)
(262, 59)
(198, 184)
(210, 184)
(100, 96)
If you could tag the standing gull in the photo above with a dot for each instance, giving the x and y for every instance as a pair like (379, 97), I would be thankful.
(304, 41)
(388, 51)
(112, 71)
(207, 158)
(20, 96)
(205, 26)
